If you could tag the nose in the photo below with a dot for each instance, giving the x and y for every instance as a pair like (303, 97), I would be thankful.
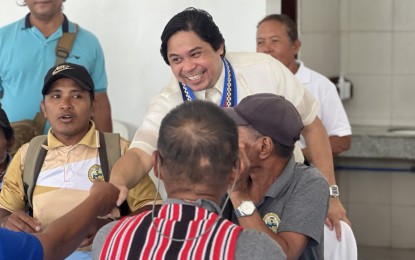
(267, 48)
(66, 104)
(188, 65)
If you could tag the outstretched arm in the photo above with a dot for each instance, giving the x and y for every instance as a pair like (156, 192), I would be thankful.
(129, 170)
(65, 234)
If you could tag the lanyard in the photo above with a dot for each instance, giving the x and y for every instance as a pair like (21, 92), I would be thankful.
(229, 97)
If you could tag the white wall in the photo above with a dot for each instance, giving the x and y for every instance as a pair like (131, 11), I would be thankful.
(129, 31)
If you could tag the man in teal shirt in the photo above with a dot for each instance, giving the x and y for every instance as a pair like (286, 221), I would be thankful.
(28, 51)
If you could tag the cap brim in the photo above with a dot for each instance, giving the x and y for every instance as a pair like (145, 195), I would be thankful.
(232, 113)
(46, 87)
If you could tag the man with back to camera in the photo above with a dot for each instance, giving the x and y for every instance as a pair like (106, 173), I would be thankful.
(194, 47)
(28, 51)
(72, 162)
(196, 157)
(276, 195)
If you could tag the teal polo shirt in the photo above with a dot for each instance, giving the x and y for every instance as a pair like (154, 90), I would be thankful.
(25, 57)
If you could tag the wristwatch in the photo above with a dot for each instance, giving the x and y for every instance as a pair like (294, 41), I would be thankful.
(246, 208)
(334, 191)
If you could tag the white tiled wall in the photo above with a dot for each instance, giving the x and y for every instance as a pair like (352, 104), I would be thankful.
(379, 203)
(373, 43)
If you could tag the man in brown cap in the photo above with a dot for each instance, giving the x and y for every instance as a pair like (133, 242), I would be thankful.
(6, 143)
(274, 194)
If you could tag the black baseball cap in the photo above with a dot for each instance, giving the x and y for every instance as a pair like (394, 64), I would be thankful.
(75, 72)
(271, 115)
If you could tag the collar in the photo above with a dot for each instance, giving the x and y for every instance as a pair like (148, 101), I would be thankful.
(91, 139)
(282, 181)
(218, 86)
(65, 24)
(303, 74)
(206, 204)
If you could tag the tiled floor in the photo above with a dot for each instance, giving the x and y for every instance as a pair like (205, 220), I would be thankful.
(380, 253)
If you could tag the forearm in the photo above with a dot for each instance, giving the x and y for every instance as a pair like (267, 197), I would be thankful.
(102, 113)
(340, 144)
(65, 234)
(292, 249)
(319, 150)
(131, 168)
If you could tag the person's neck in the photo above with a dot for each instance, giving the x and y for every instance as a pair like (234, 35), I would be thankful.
(47, 25)
(70, 140)
(264, 176)
(293, 66)
(191, 196)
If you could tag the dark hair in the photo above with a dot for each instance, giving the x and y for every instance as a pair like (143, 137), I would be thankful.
(284, 19)
(198, 143)
(192, 19)
(8, 133)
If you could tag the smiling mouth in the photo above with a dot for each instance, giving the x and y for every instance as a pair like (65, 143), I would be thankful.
(195, 77)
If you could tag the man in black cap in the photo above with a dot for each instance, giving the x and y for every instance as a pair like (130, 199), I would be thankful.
(276, 195)
(6, 143)
(76, 154)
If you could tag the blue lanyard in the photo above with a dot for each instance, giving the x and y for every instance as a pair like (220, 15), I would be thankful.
(229, 96)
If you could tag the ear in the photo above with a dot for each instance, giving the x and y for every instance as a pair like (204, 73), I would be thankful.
(221, 50)
(43, 108)
(93, 108)
(266, 147)
(155, 160)
(297, 46)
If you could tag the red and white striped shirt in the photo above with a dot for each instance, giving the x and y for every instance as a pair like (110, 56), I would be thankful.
(136, 237)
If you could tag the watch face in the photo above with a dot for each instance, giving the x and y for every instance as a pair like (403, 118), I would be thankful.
(334, 191)
(247, 207)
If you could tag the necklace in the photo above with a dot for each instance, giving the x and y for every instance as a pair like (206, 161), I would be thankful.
(229, 88)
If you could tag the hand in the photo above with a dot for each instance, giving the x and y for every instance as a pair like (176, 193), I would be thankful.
(241, 182)
(335, 214)
(20, 221)
(99, 223)
(106, 195)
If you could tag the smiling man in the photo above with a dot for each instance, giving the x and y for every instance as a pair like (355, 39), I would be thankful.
(73, 159)
(194, 48)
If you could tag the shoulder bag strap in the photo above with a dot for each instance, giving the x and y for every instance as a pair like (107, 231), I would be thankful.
(65, 45)
(32, 165)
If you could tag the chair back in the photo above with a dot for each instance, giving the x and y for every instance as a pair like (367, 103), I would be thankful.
(346, 249)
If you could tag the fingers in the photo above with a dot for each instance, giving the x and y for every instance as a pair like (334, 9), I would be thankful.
(337, 227)
(20, 221)
(123, 193)
(335, 214)
(329, 223)
(87, 241)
